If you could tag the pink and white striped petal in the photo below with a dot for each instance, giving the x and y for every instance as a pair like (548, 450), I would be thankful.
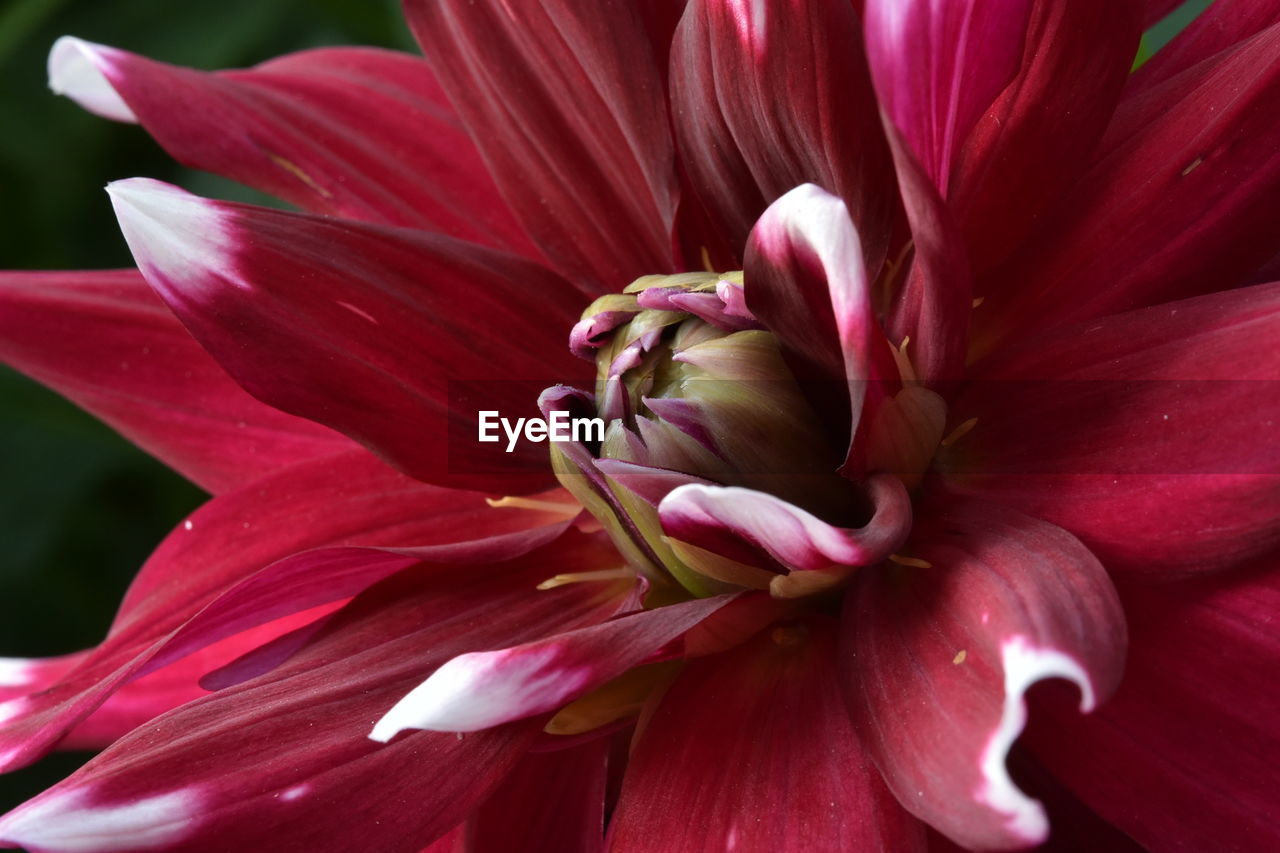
(481, 690)
(374, 333)
(805, 279)
(355, 132)
(938, 658)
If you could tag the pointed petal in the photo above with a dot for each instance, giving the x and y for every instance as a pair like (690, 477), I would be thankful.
(1184, 753)
(565, 101)
(805, 280)
(766, 720)
(770, 96)
(1182, 206)
(363, 328)
(938, 66)
(485, 689)
(937, 662)
(262, 765)
(106, 342)
(1037, 138)
(551, 802)
(347, 499)
(1150, 435)
(354, 132)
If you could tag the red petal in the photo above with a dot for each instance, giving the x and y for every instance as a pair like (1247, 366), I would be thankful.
(1154, 10)
(349, 499)
(105, 341)
(1183, 205)
(552, 802)
(1037, 138)
(565, 102)
(938, 659)
(805, 280)
(354, 132)
(363, 328)
(1185, 755)
(753, 750)
(480, 690)
(766, 98)
(939, 66)
(1150, 435)
(283, 762)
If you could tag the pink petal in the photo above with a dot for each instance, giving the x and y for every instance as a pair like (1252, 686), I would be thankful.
(930, 311)
(938, 659)
(939, 65)
(364, 328)
(1182, 205)
(805, 280)
(1185, 755)
(754, 119)
(1223, 25)
(565, 101)
(105, 341)
(753, 750)
(1150, 435)
(354, 132)
(711, 517)
(552, 802)
(1036, 140)
(345, 499)
(267, 764)
(481, 690)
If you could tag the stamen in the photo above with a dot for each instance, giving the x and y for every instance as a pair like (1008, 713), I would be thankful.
(900, 358)
(960, 432)
(584, 577)
(913, 562)
(510, 502)
(706, 260)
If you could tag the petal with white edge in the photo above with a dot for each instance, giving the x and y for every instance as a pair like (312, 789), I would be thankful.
(75, 70)
(65, 822)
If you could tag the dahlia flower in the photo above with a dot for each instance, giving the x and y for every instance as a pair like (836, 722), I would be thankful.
(931, 350)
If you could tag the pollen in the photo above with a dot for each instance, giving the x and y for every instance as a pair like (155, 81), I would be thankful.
(587, 577)
(960, 656)
(509, 502)
(913, 562)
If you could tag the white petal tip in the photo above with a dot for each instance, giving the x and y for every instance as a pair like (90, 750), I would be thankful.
(174, 236)
(76, 70)
(66, 822)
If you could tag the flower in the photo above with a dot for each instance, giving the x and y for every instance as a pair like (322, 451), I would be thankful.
(931, 371)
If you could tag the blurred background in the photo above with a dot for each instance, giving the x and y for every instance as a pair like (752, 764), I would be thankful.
(80, 508)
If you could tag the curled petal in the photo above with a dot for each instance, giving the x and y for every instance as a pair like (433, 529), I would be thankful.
(937, 661)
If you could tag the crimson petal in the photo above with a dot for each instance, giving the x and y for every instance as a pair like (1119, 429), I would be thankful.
(565, 101)
(355, 132)
(285, 756)
(1182, 205)
(939, 66)
(937, 661)
(362, 327)
(343, 500)
(789, 772)
(770, 96)
(1150, 435)
(1223, 25)
(1185, 755)
(105, 341)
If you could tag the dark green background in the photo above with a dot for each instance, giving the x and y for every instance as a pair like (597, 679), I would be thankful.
(80, 508)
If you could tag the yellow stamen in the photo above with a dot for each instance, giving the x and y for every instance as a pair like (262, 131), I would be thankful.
(905, 370)
(960, 432)
(584, 577)
(532, 503)
(706, 260)
(914, 562)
